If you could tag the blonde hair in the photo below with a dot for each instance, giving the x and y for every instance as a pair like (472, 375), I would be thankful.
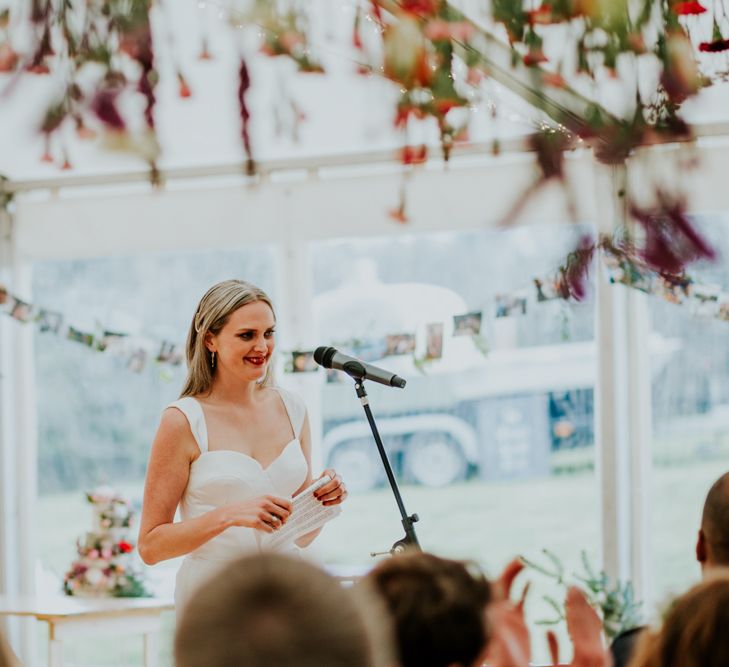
(212, 314)
(694, 633)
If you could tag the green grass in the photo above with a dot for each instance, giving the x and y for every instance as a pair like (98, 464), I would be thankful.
(488, 522)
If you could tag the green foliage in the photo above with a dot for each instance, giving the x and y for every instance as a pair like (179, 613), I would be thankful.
(616, 602)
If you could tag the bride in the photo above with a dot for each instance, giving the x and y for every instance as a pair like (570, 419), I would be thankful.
(232, 451)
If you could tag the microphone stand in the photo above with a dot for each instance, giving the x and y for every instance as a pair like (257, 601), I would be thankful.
(410, 541)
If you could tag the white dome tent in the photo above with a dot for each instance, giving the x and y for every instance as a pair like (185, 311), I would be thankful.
(337, 180)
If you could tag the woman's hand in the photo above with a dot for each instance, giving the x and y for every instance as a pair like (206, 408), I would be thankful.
(332, 493)
(266, 513)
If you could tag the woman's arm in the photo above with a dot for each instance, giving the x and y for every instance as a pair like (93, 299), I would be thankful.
(168, 471)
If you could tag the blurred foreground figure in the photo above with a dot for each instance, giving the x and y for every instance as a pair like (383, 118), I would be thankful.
(271, 610)
(694, 633)
(438, 609)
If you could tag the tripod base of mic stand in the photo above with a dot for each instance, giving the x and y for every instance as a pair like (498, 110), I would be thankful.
(408, 543)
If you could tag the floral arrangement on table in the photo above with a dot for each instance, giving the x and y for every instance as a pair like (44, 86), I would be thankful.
(105, 566)
(615, 601)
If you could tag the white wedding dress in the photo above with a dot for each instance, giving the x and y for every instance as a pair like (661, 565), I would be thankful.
(224, 476)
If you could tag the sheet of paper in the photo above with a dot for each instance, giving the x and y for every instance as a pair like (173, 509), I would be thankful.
(307, 514)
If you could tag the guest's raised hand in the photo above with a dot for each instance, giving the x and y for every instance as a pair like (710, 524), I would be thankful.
(585, 629)
(509, 644)
(332, 493)
(553, 645)
(502, 586)
(265, 513)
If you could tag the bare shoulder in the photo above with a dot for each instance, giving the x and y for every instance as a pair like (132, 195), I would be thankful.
(174, 435)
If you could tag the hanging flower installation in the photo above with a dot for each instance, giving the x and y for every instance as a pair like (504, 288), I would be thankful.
(658, 51)
(101, 52)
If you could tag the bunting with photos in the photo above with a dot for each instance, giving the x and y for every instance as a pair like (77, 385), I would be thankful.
(622, 266)
(135, 352)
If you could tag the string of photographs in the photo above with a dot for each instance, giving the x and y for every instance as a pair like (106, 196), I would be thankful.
(405, 344)
(136, 352)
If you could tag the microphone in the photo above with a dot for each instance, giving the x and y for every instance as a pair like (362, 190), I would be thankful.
(330, 357)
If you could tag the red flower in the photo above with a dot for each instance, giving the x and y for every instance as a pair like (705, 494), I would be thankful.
(398, 215)
(535, 57)
(204, 51)
(420, 7)
(688, 8)
(554, 79)
(125, 547)
(356, 31)
(184, 88)
(542, 15)
(8, 58)
(411, 155)
(715, 46)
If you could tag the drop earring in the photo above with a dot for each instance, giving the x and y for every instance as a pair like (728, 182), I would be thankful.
(212, 360)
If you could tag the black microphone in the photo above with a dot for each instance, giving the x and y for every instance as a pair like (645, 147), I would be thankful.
(330, 357)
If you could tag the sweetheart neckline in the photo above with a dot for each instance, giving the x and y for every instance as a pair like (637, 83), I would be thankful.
(248, 456)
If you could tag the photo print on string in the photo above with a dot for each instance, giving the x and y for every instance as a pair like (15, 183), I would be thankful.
(79, 336)
(169, 353)
(468, 324)
(434, 341)
(21, 311)
(112, 341)
(49, 321)
(399, 344)
(137, 360)
(509, 305)
(303, 362)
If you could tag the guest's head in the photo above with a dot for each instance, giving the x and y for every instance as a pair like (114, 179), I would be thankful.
(232, 332)
(712, 547)
(437, 606)
(271, 610)
(694, 633)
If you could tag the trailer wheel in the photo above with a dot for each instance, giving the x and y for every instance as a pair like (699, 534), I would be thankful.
(435, 459)
(358, 463)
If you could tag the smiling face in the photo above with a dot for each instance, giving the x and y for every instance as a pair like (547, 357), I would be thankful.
(245, 344)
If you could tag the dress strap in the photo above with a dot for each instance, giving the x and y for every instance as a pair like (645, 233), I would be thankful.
(192, 409)
(295, 407)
